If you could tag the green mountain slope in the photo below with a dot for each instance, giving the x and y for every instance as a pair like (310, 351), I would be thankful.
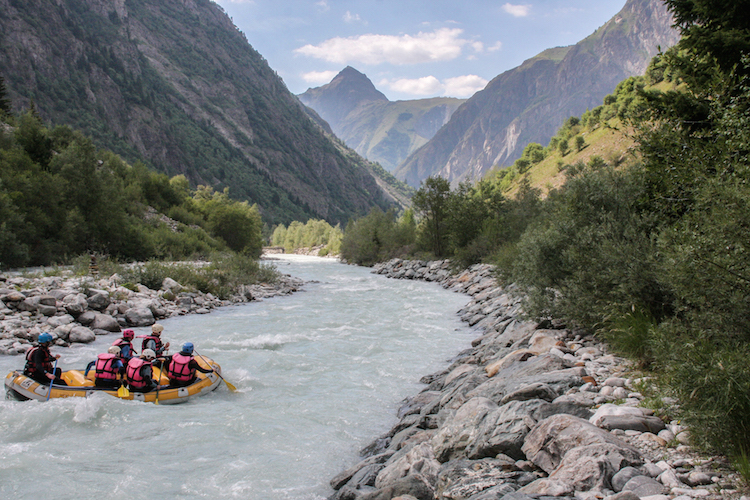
(381, 130)
(175, 84)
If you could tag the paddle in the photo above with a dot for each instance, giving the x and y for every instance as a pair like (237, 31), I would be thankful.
(54, 373)
(229, 386)
(123, 392)
(158, 383)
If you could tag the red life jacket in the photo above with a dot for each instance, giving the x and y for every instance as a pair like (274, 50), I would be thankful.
(46, 361)
(179, 368)
(158, 347)
(105, 368)
(134, 375)
(125, 343)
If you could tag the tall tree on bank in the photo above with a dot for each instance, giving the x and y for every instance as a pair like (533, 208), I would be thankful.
(432, 202)
(4, 101)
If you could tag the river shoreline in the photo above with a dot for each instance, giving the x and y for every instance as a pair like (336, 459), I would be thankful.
(532, 410)
(78, 309)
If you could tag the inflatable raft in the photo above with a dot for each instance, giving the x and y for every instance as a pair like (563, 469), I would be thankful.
(18, 386)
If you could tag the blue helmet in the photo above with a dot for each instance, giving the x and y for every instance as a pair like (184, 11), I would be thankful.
(188, 347)
(44, 338)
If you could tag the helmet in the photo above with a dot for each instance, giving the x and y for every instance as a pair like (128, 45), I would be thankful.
(157, 328)
(188, 347)
(148, 353)
(44, 338)
(128, 334)
(114, 350)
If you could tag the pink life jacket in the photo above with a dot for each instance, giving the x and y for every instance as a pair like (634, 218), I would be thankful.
(179, 368)
(158, 346)
(134, 375)
(105, 367)
(125, 343)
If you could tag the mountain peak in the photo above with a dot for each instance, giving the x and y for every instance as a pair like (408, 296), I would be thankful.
(348, 90)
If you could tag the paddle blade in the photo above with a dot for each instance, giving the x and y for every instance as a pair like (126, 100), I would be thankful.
(230, 386)
(123, 392)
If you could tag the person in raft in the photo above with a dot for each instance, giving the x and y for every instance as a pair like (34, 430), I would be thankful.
(126, 345)
(109, 369)
(181, 367)
(39, 364)
(140, 373)
(153, 341)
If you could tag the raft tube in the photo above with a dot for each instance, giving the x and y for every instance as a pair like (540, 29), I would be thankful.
(19, 386)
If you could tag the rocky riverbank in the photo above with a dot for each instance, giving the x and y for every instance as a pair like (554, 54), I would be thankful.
(532, 410)
(77, 309)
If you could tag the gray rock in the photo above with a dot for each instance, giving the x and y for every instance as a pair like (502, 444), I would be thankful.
(419, 459)
(98, 301)
(81, 334)
(86, 318)
(592, 467)
(47, 310)
(632, 423)
(139, 316)
(104, 322)
(552, 438)
(644, 486)
(624, 495)
(413, 484)
(75, 304)
(623, 476)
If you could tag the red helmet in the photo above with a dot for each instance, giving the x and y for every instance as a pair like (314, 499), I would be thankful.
(128, 334)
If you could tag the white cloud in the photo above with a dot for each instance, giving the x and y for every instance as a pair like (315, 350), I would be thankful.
(495, 47)
(351, 18)
(441, 45)
(517, 10)
(477, 46)
(464, 86)
(460, 86)
(419, 86)
(319, 76)
(323, 5)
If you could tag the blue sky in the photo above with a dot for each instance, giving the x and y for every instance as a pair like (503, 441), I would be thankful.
(411, 49)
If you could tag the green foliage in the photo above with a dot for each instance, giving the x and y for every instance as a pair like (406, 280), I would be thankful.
(314, 232)
(377, 237)
(432, 203)
(5, 108)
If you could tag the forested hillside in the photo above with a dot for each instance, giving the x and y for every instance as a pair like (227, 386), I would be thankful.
(173, 83)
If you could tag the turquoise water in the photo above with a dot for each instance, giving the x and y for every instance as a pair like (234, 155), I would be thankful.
(319, 375)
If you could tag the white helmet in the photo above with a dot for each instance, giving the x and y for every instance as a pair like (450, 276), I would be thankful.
(148, 354)
(114, 350)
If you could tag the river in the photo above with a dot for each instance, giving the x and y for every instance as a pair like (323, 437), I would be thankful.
(319, 374)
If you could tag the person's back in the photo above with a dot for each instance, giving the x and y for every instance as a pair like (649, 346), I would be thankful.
(182, 367)
(139, 372)
(109, 368)
(39, 365)
(126, 345)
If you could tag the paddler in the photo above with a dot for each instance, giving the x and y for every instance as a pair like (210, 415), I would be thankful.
(140, 373)
(109, 369)
(153, 341)
(181, 367)
(126, 345)
(39, 365)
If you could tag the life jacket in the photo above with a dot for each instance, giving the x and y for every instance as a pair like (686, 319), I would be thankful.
(134, 375)
(46, 361)
(126, 348)
(179, 368)
(105, 367)
(158, 346)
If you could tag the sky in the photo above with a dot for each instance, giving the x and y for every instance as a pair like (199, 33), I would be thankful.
(411, 49)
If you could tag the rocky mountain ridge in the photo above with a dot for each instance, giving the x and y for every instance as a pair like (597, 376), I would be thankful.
(382, 131)
(529, 103)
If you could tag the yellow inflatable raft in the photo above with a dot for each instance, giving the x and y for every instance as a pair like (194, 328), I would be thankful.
(23, 388)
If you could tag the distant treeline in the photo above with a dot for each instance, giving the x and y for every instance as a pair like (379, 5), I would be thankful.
(61, 197)
(313, 233)
(653, 257)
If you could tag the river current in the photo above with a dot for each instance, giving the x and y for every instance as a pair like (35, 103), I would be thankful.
(319, 374)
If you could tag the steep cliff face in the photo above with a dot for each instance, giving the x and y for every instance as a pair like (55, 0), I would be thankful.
(378, 129)
(530, 102)
(174, 83)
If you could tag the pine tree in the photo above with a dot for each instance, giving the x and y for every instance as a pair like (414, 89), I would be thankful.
(4, 101)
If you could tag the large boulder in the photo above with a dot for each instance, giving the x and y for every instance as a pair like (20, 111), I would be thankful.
(81, 334)
(105, 322)
(75, 304)
(553, 437)
(139, 316)
(98, 301)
